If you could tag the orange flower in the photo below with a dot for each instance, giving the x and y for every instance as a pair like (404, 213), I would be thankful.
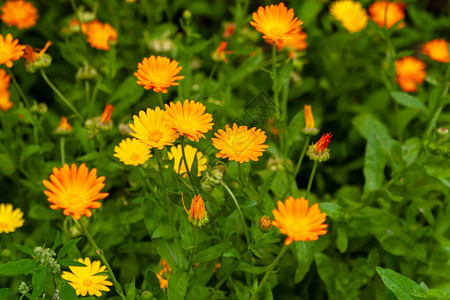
(4, 80)
(276, 23)
(198, 216)
(310, 127)
(19, 13)
(297, 41)
(299, 221)
(189, 119)
(100, 35)
(319, 151)
(351, 14)
(31, 55)
(10, 50)
(164, 274)
(64, 126)
(220, 52)
(437, 50)
(389, 12)
(158, 73)
(74, 190)
(239, 143)
(322, 144)
(230, 27)
(5, 102)
(105, 118)
(410, 72)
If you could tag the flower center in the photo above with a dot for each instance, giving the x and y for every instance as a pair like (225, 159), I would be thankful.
(3, 225)
(73, 198)
(155, 136)
(275, 31)
(87, 282)
(134, 156)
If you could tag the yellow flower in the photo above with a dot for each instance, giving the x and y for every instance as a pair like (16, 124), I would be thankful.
(351, 14)
(10, 219)
(276, 23)
(239, 143)
(19, 13)
(158, 73)
(198, 216)
(437, 50)
(191, 152)
(31, 55)
(100, 35)
(382, 12)
(299, 221)
(74, 190)
(132, 152)
(10, 50)
(87, 280)
(152, 129)
(189, 119)
(164, 274)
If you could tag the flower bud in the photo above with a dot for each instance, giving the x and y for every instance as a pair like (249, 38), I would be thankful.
(443, 131)
(310, 128)
(42, 61)
(146, 295)
(187, 14)
(319, 151)
(197, 215)
(64, 127)
(23, 288)
(86, 72)
(265, 223)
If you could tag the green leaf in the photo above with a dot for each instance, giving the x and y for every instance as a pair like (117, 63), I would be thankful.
(42, 213)
(374, 163)
(402, 287)
(57, 242)
(5, 292)
(410, 150)
(304, 252)
(21, 266)
(7, 166)
(166, 249)
(246, 68)
(342, 239)
(25, 250)
(38, 281)
(67, 262)
(294, 129)
(29, 150)
(326, 273)
(131, 290)
(67, 292)
(151, 282)
(245, 267)
(409, 101)
(211, 253)
(333, 210)
(367, 125)
(66, 248)
(178, 283)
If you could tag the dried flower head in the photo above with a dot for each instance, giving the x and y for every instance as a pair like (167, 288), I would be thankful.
(19, 13)
(37, 58)
(410, 73)
(10, 219)
(158, 73)
(437, 50)
(351, 14)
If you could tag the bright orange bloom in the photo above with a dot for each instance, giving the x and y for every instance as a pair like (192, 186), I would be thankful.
(410, 72)
(10, 50)
(105, 118)
(4, 80)
(297, 41)
(276, 23)
(220, 52)
(437, 50)
(322, 144)
(351, 14)
(310, 127)
(240, 143)
(31, 55)
(189, 119)
(64, 125)
(5, 102)
(389, 12)
(158, 73)
(19, 13)
(151, 128)
(75, 190)
(100, 35)
(198, 216)
(164, 274)
(299, 221)
(230, 27)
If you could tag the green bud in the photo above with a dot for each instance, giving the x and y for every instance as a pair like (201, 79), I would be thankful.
(146, 295)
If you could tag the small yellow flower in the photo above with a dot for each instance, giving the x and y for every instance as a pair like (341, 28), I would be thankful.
(86, 280)
(132, 152)
(19, 13)
(164, 274)
(437, 50)
(351, 14)
(10, 219)
(10, 50)
(158, 73)
(176, 154)
(198, 216)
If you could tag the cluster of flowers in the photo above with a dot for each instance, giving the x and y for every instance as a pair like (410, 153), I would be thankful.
(387, 14)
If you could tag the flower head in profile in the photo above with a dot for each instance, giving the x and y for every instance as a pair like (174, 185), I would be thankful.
(64, 126)
(176, 154)
(10, 50)
(276, 23)
(299, 221)
(310, 127)
(19, 13)
(132, 152)
(264, 224)
(197, 215)
(297, 41)
(240, 143)
(105, 117)
(350, 13)
(75, 190)
(319, 151)
(5, 102)
(437, 50)
(37, 58)
(152, 129)
(87, 280)
(387, 13)
(189, 119)
(10, 219)
(410, 73)
(164, 274)
(158, 73)
(100, 35)
(220, 53)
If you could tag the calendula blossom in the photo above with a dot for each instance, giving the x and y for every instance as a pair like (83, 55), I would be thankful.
(297, 41)
(64, 126)
(105, 117)
(179, 166)
(10, 50)
(350, 13)
(164, 274)
(220, 53)
(5, 102)
(198, 216)
(388, 12)
(100, 35)
(19, 13)
(319, 151)
(437, 50)
(132, 152)
(410, 73)
(310, 127)
(37, 58)
(10, 219)
(158, 73)
(265, 223)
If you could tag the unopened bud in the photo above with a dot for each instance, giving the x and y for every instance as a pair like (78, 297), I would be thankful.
(265, 223)
(43, 61)
(442, 131)
(187, 14)
(146, 295)
(86, 72)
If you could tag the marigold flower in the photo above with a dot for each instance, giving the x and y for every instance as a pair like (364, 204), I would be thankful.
(105, 118)
(100, 35)
(31, 55)
(5, 102)
(299, 221)
(163, 274)
(297, 41)
(158, 73)
(265, 223)
(410, 72)
(10, 219)
(64, 126)
(10, 50)
(151, 128)
(230, 27)
(198, 216)
(220, 53)
(176, 154)
(319, 151)
(4, 80)
(19, 13)
(86, 279)
(37, 58)
(188, 119)
(75, 190)
(239, 143)
(389, 12)
(310, 127)
(351, 14)
(276, 23)
(437, 50)
(132, 152)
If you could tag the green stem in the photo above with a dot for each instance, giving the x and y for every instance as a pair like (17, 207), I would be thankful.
(146, 182)
(87, 88)
(64, 99)
(299, 163)
(311, 177)
(188, 172)
(275, 81)
(194, 237)
(438, 111)
(160, 100)
(271, 267)
(63, 152)
(241, 175)
(103, 259)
